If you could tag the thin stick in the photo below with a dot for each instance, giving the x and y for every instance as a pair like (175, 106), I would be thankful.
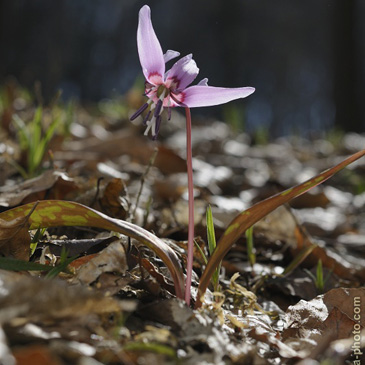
(189, 267)
(143, 178)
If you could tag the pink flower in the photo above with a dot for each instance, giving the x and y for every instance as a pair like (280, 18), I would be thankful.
(166, 90)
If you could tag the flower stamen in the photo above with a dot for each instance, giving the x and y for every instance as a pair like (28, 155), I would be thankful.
(157, 127)
(139, 111)
(147, 118)
(158, 109)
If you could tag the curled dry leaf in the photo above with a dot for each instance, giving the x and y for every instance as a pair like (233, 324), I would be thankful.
(15, 238)
(338, 264)
(331, 316)
(34, 189)
(36, 355)
(123, 143)
(111, 259)
(153, 271)
(114, 202)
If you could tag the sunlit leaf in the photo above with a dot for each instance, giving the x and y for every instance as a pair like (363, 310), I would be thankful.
(250, 216)
(212, 244)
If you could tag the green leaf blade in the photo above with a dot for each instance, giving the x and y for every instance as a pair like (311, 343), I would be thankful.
(56, 213)
(250, 216)
(11, 264)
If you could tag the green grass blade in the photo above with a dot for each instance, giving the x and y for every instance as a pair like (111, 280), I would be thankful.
(210, 231)
(61, 267)
(11, 264)
(38, 236)
(249, 242)
(212, 245)
(36, 127)
(319, 276)
(22, 131)
(298, 259)
(201, 252)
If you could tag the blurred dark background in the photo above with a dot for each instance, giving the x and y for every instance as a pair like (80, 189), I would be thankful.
(305, 58)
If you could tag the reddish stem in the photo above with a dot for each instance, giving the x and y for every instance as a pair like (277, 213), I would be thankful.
(189, 267)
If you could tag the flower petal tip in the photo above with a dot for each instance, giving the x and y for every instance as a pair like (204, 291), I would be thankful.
(200, 95)
(149, 48)
(145, 8)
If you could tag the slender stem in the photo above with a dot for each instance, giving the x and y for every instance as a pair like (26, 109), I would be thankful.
(189, 267)
(143, 179)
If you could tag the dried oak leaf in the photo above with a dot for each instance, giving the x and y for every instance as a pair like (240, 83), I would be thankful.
(153, 271)
(282, 225)
(35, 355)
(15, 238)
(111, 259)
(36, 189)
(123, 143)
(114, 201)
(333, 315)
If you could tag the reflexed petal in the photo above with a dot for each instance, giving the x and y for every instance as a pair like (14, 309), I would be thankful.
(170, 55)
(149, 48)
(197, 96)
(203, 82)
(183, 72)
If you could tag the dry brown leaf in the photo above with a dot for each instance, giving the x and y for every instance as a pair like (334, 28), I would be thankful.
(39, 299)
(168, 161)
(282, 225)
(35, 355)
(15, 238)
(153, 271)
(270, 338)
(338, 324)
(124, 143)
(348, 301)
(334, 314)
(36, 188)
(310, 200)
(111, 259)
(336, 263)
(278, 225)
(113, 201)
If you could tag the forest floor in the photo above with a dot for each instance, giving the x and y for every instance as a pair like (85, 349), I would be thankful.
(102, 297)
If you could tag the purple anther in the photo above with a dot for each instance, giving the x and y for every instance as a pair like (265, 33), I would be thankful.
(158, 108)
(157, 127)
(146, 118)
(139, 111)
